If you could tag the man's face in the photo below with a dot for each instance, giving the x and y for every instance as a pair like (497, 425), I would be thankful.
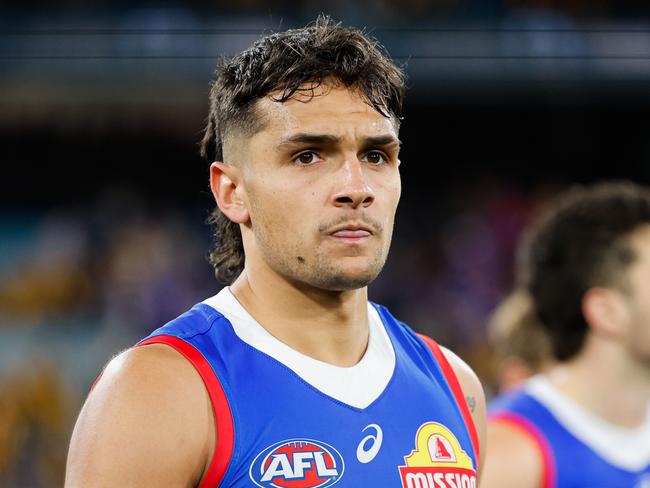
(638, 297)
(321, 185)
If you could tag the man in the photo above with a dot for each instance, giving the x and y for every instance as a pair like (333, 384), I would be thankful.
(290, 377)
(586, 421)
(518, 342)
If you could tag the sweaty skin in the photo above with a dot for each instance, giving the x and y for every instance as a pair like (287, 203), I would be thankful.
(315, 193)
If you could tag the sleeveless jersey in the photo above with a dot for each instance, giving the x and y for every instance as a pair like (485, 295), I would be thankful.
(281, 424)
(577, 448)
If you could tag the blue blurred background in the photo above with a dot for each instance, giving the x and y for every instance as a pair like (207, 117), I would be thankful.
(103, 197)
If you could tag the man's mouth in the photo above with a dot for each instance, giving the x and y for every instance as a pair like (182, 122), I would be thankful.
(352, 233)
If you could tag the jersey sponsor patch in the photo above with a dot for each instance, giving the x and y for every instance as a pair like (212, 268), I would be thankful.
(297, 463)
(437, 461)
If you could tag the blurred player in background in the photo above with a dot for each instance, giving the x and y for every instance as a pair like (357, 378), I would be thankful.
(586, 422)
(289, 376)
(520, 345)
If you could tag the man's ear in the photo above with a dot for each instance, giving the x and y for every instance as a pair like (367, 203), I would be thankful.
(605, 311)
(225, 183)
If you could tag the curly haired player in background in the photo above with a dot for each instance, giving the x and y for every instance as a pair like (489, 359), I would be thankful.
(289, 376)
(586, 421)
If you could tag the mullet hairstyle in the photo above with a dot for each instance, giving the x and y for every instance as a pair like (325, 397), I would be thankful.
(580, 242)
(282, 64)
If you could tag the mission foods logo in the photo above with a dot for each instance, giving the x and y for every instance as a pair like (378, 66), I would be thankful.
(437, 461)
(297, 463)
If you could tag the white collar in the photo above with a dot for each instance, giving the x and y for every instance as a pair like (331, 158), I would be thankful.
(626, 448)
(358, 385)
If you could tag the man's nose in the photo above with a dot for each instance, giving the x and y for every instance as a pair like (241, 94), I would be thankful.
(353, 188)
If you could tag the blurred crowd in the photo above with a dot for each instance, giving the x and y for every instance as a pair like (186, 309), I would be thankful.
(77, 285)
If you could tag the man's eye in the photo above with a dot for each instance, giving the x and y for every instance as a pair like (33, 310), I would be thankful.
(375, 157)
(306, 158)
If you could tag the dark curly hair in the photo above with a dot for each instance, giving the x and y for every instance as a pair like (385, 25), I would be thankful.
(581, 241)
(281, 64)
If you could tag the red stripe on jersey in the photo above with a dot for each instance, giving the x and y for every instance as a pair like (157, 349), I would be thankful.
(222, 414)
(452, 381)
(99, 377)
(529, 430)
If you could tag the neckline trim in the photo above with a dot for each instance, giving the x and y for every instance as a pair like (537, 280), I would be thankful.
(357, 386)
(622, 447)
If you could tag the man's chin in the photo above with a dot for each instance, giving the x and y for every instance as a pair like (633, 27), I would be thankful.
(341, 274)
(345, 281)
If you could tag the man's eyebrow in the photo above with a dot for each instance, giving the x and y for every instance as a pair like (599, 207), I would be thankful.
(383, 140)
(304, 138)
(321, 139)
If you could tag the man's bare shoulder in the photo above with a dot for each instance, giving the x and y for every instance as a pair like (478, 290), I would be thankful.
(146, 423)
(474, 396)
(514, 460)
(469, 381)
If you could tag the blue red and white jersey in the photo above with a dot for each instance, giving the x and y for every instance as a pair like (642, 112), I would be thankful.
(577, 448)
(285, 420)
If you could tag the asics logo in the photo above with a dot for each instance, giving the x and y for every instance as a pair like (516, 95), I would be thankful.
(370, 444)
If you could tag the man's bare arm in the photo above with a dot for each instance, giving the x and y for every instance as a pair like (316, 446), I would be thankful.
(148, 422)
(475, 398)
(514, 460)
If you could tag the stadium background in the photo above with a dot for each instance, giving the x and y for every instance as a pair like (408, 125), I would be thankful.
(103, 196)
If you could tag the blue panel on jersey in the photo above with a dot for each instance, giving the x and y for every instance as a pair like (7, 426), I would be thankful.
(289, 434)
(575, 464)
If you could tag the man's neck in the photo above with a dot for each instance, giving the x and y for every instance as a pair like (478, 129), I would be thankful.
(329, 326)
(606, 381)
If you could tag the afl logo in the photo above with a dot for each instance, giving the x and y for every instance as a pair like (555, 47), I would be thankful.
(297, 463)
